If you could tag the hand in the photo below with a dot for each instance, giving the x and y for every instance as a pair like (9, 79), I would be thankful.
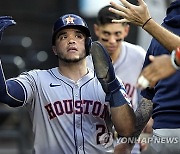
(137, 15)
(148, 128)
(5, 21)
(143, 146)
(160, 68)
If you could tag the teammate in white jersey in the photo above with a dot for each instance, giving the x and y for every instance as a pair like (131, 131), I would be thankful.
(68, 104)
(127, 58)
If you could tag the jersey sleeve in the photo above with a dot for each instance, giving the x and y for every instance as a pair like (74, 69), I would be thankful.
(18, 91)
(28, 80)
(11, 92)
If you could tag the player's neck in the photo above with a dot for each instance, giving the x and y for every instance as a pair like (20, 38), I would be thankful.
(73, 71)
(114, 56)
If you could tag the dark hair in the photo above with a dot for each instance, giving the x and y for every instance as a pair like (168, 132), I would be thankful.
(105, 16)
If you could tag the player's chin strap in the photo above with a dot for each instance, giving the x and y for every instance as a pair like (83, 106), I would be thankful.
(105, 73)
(11, 92)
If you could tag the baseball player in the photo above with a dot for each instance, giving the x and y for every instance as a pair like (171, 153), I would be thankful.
(72, 108)
(127, 58)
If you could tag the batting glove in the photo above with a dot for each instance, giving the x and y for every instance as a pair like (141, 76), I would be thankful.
(5, 21)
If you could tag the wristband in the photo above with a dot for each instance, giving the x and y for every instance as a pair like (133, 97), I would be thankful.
(115, 97)
(173, 60)
(146, 22)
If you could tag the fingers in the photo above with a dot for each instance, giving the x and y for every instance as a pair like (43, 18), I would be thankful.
(126, 4)
(151, 58)
(120, 21)
(141, 2)
(118, 6)
(5, 18)
(120, 10)
(147, 77)
(5, 21)
(143, 82)
(121, 13)
(130, 12)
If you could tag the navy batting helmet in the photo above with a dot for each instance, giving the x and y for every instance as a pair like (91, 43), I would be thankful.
(72, 20)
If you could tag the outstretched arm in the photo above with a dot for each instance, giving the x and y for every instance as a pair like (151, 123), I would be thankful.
(11, 92)
(122, 114)
(143, 114)
(140, 16)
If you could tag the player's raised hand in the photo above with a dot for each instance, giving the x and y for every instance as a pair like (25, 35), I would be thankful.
(5, 21)
(137, 15)
(103, 67)
(105, 74)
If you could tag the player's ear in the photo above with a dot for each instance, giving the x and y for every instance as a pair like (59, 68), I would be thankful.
(96, 30)
(126, 30)
(54, 50)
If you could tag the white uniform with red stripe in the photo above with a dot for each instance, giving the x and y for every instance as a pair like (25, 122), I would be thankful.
(128, 67)
(68, 117)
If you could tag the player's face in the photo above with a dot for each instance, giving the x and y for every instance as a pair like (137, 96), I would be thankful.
(111, 35)
(70, 45)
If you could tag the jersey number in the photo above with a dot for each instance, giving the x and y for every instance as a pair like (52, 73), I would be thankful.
(100, 131)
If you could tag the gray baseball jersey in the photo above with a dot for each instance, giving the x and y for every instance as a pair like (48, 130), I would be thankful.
(68, 117)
